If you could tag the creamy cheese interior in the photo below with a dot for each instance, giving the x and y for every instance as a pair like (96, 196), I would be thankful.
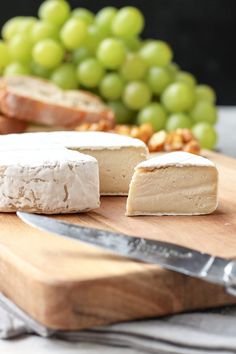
(116, 168)
(173, 190)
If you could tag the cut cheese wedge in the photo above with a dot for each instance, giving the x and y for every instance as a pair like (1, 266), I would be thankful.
(178, 183)
(49, 181)
(117, 155)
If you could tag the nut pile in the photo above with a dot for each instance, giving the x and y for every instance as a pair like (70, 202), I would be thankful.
(178, 140)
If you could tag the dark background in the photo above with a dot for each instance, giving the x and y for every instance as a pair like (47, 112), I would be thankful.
(202, 34)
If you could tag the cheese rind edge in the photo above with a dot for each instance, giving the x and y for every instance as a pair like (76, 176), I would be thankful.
(48, 181)
(160, 187)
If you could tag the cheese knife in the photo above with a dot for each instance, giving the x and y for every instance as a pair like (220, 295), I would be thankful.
(169, 256)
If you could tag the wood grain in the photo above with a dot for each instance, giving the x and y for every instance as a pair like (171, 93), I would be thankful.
(65, 284)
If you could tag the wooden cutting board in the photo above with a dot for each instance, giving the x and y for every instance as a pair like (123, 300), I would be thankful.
(64, 284)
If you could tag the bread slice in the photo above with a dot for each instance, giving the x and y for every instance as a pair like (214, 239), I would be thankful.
(39, 101)
(11, 125)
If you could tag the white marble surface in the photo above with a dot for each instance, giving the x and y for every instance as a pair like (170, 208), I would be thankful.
(36, 345)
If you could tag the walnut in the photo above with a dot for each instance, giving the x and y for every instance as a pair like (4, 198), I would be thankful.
(146, 132)
(104, 125)
(157, 141)
(186, 134)
(174, 142)
(101, 126)
(83, 127)
(122, 129)
(178, 140)
(193, 147)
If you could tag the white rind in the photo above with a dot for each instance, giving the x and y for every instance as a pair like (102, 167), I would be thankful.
(44, 155)
(177, 159)
(74, 140)
(48, 181)
(96, 140)
(36, 147)
(117, 155)
(173, 184)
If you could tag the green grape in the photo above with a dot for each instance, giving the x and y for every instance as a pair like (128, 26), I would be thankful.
(111, 53)
(18, 25)
(73, 33)
(54, 11)
(10, 28)
(123, 115)
(43, 30)
(26, 25)
(4, 55)
(206, 135)
(65, 77)
(173, 68)
(80, 54)
(20, 48)
(132, 44)
(204, 111)
(133, 68)
(128, 22)
(48, 53)
(104, 19)
(178, 97)
(111, 86)
(83, 14)
(16, 68)
(136, 95)
(155, 114)
(205, 93)
(158, 78)
(40, 71)
(178, 120)
(183, 76)
(94, 37)
(156, 53)
(90, 72)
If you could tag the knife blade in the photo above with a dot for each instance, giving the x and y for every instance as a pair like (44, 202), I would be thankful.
(169, 256)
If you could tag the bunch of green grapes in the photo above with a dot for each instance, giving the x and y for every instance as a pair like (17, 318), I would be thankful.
(104, 53)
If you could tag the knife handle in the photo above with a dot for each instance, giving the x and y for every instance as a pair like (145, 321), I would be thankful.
(230, 277)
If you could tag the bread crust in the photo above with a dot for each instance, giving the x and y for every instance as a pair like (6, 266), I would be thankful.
(11, 125)
(31, 109)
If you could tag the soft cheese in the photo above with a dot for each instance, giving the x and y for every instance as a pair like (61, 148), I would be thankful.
(117, 155)
(48, 180)
(178, 183)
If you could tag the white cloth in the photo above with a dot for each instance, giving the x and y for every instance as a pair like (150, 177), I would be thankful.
(212, 332)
